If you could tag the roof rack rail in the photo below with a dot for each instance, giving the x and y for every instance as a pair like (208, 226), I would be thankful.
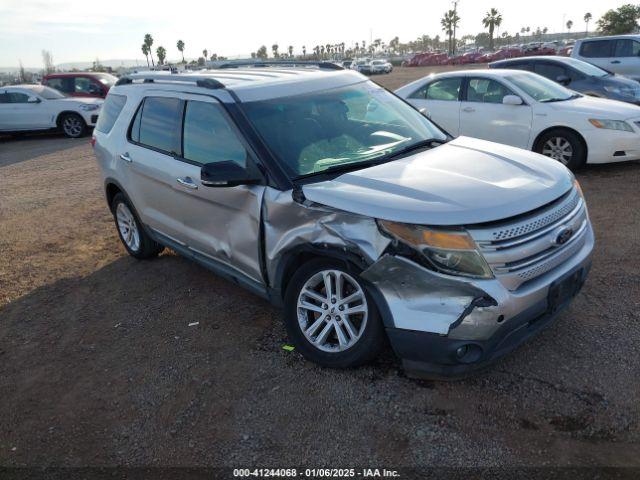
(278, 63)
(199, 80)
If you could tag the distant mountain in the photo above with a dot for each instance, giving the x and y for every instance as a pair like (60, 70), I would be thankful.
(119, 62)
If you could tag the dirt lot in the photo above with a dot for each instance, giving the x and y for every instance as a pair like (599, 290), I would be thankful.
(98, 365)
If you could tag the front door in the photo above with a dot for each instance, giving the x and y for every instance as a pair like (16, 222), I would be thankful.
(483, 115)
(440, 99)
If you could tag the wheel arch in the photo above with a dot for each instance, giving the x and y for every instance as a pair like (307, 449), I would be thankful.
(62, 114)
(561, 128)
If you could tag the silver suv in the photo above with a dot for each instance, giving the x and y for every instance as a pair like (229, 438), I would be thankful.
(329, 196)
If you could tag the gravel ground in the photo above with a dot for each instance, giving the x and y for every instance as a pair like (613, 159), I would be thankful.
(98, 365)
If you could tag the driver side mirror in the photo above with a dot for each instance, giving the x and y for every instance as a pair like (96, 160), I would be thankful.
(512, 100)
(228, 174)
(33, 99)
(563, 80)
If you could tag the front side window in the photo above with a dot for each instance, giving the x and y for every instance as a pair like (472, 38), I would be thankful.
(158, 124)
(627, 48)
(86, 85)
(17, 97)
(109, 114)
(50, 93)
(485, 90)
(360, 123)
(447, 89)
(209, 137)
(596, 49)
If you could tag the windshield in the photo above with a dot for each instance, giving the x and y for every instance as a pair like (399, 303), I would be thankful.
(586, 68)
(344, 126)
(106, 79)
(540, 88)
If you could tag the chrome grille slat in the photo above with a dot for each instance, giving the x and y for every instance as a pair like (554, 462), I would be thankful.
(524, 249)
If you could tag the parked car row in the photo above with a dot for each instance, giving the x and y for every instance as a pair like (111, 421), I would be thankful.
(526, 110)
(368, 66)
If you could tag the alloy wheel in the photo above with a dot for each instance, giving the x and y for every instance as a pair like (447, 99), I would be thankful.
(128, 227)
(558, 148)
(72, 126)
(332, 311)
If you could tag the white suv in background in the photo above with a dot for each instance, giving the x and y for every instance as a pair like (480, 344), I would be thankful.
(618, 54)
(36, 107)
(361, 228)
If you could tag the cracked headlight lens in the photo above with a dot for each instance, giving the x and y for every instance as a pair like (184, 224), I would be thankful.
(447, 251)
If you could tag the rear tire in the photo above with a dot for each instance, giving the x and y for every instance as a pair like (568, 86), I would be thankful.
(133, 236)
(73, 125)
(564, 146)
(341, 329)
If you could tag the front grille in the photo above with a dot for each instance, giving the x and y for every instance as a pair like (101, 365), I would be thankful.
(525, 248)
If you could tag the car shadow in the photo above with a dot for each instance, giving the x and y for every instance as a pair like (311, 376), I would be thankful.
(27, 146)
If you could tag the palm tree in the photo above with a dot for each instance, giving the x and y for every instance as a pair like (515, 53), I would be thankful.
(180, 46)
(274, 49)
(148, 41)
(569, 25)
(162, 54)
(205, 53)
(145, 52)
(290, 51)
(304, 51)
(492, 19)
(587, 19)
(448, 22)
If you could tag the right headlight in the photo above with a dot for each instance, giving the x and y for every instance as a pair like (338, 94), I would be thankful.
(611, 124)
(446, 251)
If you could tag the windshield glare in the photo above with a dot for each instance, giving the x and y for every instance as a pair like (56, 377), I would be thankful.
(359, 123)
(106, 79)
(49, 93)
(586, 68)
(540, 88)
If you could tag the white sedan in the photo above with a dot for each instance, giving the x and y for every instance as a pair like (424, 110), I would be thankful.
(36, 107)
(526, 110)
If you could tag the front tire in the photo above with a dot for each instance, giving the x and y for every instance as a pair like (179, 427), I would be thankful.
(73, 125)
(134, 238)
(563, 145)
(330, 317)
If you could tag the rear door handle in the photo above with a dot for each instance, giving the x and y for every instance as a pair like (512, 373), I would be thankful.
(187, 182)
(468, 109)
(125, 157)
(615, 61)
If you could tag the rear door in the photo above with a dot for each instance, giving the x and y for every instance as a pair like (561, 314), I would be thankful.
(626, 57)
(441, 99)
(151, 169)
(483, 115)
(598, 52)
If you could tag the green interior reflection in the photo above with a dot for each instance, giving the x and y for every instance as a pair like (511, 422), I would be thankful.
(358, 123)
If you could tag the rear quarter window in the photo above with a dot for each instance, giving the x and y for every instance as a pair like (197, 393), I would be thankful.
(111, 109)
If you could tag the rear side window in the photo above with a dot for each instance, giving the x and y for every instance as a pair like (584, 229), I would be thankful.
(111, 108)
(596, 49)
(158, 124)
(209, 137)
(627, 48)
(445, 89)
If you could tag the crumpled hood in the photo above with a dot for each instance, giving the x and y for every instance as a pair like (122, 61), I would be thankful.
(463, 182)
(598, 108)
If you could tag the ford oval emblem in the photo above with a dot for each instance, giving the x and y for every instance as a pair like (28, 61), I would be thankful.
(563, 235)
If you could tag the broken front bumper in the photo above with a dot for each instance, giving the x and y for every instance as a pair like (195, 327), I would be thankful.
(443, 325)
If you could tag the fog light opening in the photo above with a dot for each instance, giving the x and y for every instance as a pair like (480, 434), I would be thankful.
(500, 319)
(468, 353)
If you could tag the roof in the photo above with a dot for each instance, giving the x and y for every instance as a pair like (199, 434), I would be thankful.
(534, 57)
(611, 37)
(251, 84)
(35, 87)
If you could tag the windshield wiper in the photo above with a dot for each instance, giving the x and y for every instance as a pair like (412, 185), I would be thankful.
(342, 168)
(415, 146)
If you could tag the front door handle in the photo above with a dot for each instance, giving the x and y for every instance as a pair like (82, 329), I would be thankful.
(615, 61)
(125, 157)
(187, 182)
(468, 109)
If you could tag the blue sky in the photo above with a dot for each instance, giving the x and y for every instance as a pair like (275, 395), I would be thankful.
(76, 31)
